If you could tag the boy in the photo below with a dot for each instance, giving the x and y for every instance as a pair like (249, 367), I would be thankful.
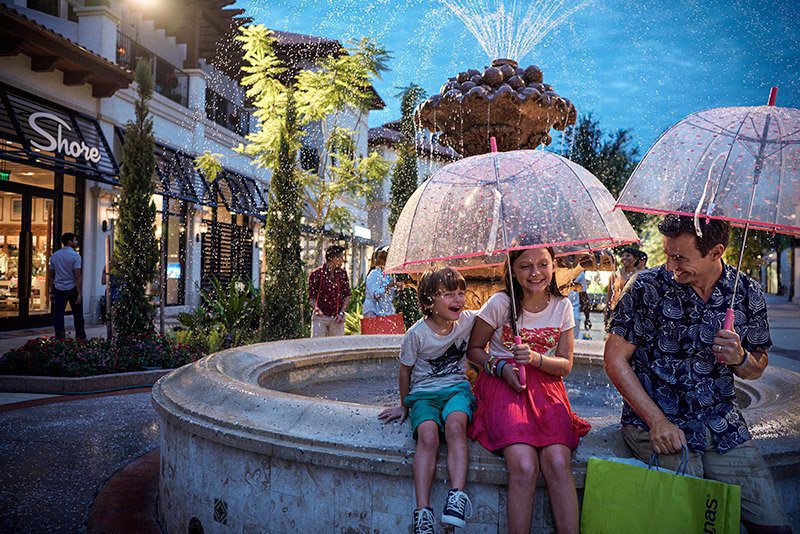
(436, 395)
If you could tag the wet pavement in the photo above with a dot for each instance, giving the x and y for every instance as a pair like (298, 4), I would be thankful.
(57, 456)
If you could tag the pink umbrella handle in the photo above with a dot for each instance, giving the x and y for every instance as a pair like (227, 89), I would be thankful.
(523, 376)
(727, 324)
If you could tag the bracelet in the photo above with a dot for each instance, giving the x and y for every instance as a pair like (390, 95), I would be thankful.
(541, 360)
(743, 362)
(488, 365)
(499, 370)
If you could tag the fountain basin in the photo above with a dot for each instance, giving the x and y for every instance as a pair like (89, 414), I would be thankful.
(239, 451)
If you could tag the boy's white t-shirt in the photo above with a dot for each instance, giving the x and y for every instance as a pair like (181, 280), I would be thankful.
(556, 317)
(439, 361)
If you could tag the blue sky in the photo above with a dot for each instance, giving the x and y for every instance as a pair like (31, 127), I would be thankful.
(642, 65)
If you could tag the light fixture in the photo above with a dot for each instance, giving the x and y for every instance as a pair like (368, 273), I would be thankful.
(111, 216)
(202, 229)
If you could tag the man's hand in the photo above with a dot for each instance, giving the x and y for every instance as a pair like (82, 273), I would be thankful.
(339, 318)
(666, 438)
(317, 312)
(390, 414)
(727, 347)
(79, 299)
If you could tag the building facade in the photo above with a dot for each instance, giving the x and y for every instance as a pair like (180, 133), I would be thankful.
(66, 95)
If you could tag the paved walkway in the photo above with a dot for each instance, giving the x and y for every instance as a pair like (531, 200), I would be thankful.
(59, 452)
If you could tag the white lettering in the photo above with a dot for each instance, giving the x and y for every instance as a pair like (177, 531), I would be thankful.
(74, 149)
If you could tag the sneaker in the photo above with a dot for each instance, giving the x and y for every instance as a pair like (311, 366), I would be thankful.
(424, 522)
(457, 509)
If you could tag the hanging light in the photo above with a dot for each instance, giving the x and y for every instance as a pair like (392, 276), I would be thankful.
(111, 212)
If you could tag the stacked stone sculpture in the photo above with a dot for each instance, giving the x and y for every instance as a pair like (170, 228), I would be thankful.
(505, 101)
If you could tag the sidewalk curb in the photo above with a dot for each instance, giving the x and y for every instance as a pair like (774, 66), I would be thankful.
(88, 384)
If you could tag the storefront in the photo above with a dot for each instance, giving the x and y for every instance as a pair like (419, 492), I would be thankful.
(47, 153)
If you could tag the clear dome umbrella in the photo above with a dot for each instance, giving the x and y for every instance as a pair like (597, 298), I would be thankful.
(739, 164)
(472, 212)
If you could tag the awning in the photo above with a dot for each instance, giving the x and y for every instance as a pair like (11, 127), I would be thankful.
(240, 194)
(44, 134)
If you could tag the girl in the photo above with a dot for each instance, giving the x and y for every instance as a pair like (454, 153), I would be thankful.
(380, 288)
(532, 426)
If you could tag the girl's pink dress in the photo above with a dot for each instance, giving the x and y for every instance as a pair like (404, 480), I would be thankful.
(538, 416)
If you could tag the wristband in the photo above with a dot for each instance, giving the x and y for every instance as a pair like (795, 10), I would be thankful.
(743, 362)
(499, 369)
(487, 366)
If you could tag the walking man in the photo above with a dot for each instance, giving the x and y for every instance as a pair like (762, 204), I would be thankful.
(674, 365)
(329, 294)
(65, 285)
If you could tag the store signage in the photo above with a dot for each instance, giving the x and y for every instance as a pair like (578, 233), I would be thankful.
(5, 176)
(58, 143)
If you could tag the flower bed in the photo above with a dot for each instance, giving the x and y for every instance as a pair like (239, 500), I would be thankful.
(72, 358)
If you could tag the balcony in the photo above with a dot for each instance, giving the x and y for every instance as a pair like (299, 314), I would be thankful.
(227, 114)
(168, 81)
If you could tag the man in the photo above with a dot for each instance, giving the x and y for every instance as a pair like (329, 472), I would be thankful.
(641, 260)
(619, 278)
(65, 285)
(578, 287)
(669, 357)
(329, 293)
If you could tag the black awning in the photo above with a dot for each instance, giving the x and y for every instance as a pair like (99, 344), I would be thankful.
(240, 194)
(44, 134)
(177, 175)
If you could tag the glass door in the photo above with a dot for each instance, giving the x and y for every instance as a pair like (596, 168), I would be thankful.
(26, 243)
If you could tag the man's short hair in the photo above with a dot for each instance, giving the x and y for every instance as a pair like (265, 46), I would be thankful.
(630, 250)
(715, 231)
(433, 282)
(66, 238)
(641, 256)
(333, 251)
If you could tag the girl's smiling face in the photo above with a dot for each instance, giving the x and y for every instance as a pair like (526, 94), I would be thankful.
(534, 270)
(448, 304)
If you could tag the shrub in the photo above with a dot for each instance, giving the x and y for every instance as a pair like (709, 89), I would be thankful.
(71, 357)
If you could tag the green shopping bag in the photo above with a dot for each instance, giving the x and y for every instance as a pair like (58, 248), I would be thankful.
(628, 496)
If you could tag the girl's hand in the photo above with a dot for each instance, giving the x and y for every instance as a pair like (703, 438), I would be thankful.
(522, 354)
(390, 414)
(511, 378)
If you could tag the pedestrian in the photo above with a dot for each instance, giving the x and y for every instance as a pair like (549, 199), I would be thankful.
(577, 291)
(674, 364)
(435, 394)
(532, 426)
(641, 260)
(329, 294)
(379, 289)
(620, 277)
(65, 285)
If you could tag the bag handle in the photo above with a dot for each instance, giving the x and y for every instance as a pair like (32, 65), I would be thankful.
(683, 465)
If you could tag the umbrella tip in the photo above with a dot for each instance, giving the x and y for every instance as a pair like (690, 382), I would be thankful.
(773, 95)
(493, 144)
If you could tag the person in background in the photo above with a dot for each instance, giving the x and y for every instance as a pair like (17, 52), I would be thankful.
(65, 285)
(641, 260)
(329, 294)
(380, 288)
(578, 287)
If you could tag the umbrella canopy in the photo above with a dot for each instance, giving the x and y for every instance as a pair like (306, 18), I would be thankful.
(472, 211)
(713, 162)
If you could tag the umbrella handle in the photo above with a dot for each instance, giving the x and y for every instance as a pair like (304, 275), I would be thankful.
(728, 324)
(523, 376)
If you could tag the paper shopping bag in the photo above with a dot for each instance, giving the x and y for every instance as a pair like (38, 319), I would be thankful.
(621, 497)
(390, 324)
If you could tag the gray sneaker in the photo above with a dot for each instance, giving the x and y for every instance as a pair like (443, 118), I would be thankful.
(458, 508)
(424, 521)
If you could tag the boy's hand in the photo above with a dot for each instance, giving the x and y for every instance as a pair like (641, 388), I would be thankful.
(522, 354)
(390, 414)
(511, 378)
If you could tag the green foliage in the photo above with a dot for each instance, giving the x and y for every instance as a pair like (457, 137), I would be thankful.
(759, 243)
(209, 164)
(406, 302)
(405, 176)
(609, 157)
(229, 317)
(74, 357)
(283, 289)
(136, 249)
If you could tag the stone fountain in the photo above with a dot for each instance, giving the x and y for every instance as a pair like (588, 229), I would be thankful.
(512, 104)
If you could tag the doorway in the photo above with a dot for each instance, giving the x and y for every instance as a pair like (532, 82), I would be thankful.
(27, 239)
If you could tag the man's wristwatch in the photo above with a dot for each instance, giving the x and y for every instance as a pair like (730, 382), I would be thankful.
(743, 362)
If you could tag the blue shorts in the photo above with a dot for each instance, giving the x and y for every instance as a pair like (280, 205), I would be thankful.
(437, 405)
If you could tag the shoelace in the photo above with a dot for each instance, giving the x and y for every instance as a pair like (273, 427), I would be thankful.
(460, 501)
(426, 523)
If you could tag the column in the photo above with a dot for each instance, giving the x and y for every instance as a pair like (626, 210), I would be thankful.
(97, 29)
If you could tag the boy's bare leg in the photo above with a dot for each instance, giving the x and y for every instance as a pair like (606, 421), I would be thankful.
(556, 464)
(523, 470)
(425, 461)
(455, 432)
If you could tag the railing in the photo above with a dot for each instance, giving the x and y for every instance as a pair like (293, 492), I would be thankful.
(227, 114)
(169, 81)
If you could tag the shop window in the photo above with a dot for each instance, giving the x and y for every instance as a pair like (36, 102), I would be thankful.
(45, 6)
(175, 250)
(68, 214)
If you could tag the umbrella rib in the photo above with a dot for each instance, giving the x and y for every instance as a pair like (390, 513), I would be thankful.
(723, 179)
(594, 204)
